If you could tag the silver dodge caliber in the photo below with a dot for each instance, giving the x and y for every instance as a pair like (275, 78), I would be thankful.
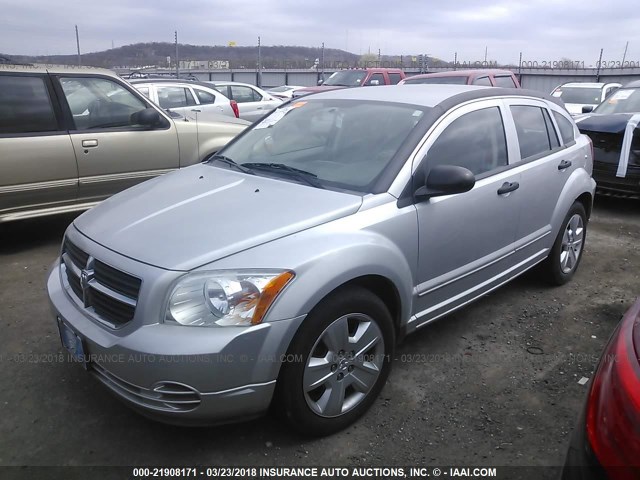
(283, 271)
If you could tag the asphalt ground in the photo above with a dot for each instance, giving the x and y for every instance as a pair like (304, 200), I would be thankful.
(495, 383)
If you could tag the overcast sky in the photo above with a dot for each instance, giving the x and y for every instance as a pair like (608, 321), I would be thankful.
(541, 29)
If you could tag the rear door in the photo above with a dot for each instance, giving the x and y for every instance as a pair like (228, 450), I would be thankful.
(466, 241)
(113, 153)
(547, 163)
(38, 169)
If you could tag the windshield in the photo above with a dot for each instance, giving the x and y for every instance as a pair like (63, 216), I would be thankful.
(341, 144)
(457, 80)
(588, 96)
(625, 100)
(346, 78)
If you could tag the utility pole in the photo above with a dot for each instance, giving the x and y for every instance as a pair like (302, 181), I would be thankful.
(177, 60)
(322, 62)
(259, 79)
(599, 64)
(485, 54)
(455, 61)
(624, 56)
(78, 45)
(520, 69)
(379, 58)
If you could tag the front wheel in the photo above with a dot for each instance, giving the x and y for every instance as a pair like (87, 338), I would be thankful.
(565, 256)
(341, 360)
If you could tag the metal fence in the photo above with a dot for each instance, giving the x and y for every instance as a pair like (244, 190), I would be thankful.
(540, 79)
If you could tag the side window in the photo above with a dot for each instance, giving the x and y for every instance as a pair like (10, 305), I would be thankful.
(475, 141)
(566, 127)
(394, 78)
(205, 97)
(25, 106)
(376, 77)
(532, 130)
(99, 102)
(505, 81)
(242, 94)
(144, 91)
(482, 81)
(175, 97)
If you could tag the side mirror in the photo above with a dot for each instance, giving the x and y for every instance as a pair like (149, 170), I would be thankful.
(446, 180)
(374, 83)
(320, 82)
(148, 117)
(587, 109)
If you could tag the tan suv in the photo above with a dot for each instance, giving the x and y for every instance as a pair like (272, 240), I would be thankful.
(71, 137)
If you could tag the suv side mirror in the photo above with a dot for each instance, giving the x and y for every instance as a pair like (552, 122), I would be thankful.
(320, 82)
(587, 109)
(446, 180)
(374, 83)
(148, 117)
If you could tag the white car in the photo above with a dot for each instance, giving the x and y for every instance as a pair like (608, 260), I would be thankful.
(253, 102)
(189, 99)
(576, 95)
(285, 92)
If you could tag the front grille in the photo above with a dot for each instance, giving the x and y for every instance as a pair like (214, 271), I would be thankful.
(110, 293)
(164, 396)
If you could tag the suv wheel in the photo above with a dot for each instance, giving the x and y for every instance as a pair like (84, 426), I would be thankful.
(563, 261)
(341, 360)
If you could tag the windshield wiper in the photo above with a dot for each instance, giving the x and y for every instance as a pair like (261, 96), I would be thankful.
(307, 177)
(228, 161)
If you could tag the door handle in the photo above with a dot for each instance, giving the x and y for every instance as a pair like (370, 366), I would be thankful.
(564, 164)
(508, 187)
(89, 143)
(258, 108)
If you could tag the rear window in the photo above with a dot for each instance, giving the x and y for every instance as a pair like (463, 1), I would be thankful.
(582, 95)
(457, 80)
(505, 81)
(483, 81)
(25, 106)
(533, 135)
(394, 78)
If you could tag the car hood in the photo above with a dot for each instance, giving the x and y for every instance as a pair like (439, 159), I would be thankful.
(200, 214)
(320, 88)
(615, 123)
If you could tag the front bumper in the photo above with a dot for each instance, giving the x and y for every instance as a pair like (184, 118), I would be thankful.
(605, 176)
(177, 374)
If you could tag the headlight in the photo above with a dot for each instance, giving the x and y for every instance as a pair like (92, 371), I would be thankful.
(225, 298)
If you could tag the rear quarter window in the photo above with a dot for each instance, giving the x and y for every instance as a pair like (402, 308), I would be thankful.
(566, 127)
(505, 81)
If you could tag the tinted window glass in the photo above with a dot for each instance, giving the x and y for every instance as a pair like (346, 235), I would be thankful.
(482, 81)
(100, 103)
(25, 105)
(565, 126)
(457, 80)
(532, 130)
(505, 81)
(475, 141)
(551, 130)
(376, 78)
(205, 97)
(580, 95)
(394, 78)
(174, 97)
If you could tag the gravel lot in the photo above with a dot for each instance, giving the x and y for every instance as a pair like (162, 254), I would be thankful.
(493, 384)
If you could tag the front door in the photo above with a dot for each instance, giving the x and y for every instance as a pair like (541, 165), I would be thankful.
(113, 152)
(466, 240)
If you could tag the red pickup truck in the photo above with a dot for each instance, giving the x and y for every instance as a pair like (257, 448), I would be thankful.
(361, 77)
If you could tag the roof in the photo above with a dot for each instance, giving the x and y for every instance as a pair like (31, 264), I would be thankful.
(587, 84)
(47, 68)
(427, 95)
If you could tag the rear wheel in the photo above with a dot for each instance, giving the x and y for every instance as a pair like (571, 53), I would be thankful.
(565, 256)
(341, 360)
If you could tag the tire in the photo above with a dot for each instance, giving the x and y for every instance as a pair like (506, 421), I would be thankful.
(331, 381)
(565, 256)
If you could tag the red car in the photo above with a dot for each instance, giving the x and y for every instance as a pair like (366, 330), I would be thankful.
(606, 442)
(359, 77)
(490, 78)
